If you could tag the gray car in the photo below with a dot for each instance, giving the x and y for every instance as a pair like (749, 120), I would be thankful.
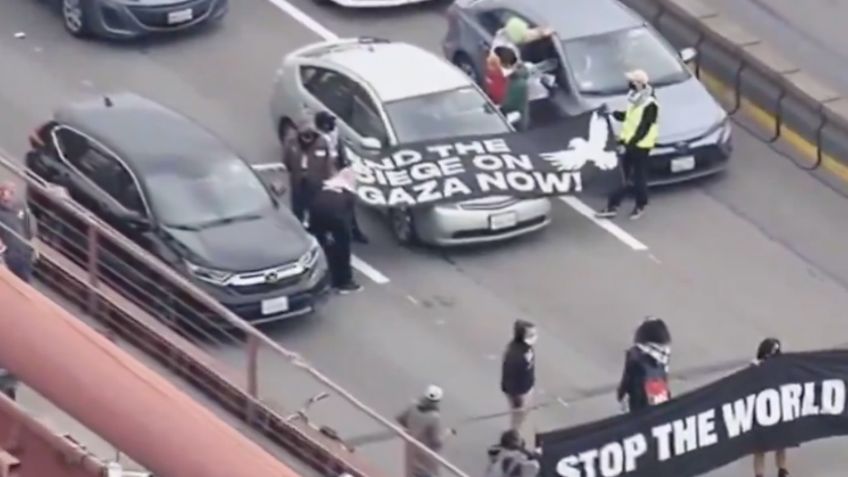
(594, 43)
(127, 19)
(387, 93)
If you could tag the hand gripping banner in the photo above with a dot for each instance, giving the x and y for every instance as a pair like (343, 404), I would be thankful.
(782, 402)
(568, 157)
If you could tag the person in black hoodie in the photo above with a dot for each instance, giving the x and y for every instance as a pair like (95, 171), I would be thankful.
(644, 381)
(518, 372)
(769, 348)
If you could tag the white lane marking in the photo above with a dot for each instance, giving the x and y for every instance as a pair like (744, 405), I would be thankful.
(369, 271)
(605, 224)
(356, 262)
(573, 202)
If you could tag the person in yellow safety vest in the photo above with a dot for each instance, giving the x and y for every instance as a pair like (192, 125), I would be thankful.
(639, 132)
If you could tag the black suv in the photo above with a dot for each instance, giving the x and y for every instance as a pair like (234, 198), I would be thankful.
(179, 192)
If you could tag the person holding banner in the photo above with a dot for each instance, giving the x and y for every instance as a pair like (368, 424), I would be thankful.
(639, 133)
(769, 348)
(644, 381)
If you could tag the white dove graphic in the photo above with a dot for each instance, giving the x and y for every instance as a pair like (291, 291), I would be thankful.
(580, 151)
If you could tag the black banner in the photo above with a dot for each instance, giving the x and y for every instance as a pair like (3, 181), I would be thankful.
(785, 401)
(568, 157)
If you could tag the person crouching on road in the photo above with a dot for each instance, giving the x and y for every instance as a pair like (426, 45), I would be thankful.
(511, 458)
(307, 159)
(330, 216)
(325, 123)
(769, 348)
(16, 230)
(423, 421)
(638, 136)
(518, 372)
(644, 381)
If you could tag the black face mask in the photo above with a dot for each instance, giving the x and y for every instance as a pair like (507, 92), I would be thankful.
(632, 86)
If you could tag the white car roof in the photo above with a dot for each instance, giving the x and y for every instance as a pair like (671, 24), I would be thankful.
(397, 70)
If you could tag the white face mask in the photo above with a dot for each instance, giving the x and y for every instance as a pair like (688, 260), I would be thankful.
(531, 337)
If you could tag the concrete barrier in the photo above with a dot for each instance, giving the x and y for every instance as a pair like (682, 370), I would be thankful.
(749, 75)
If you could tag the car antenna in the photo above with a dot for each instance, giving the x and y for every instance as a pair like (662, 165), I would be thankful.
(107, 101)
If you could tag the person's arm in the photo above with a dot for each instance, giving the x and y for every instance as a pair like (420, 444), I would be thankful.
(649, 117)
(536, 34)
(626, 378)
(403, 418)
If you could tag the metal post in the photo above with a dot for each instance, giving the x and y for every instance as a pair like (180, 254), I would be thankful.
(93, 278)
(252, 373)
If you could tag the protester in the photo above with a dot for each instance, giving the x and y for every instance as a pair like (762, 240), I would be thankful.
(644, 381)
(423, 421)
(495, 82)
(325, 123)
(518, 372)
(769, 348)
(16, 230)
(307, 159)
(516, 97)
(639, 133)
(511, 458)
(330, 217)
(517, 32)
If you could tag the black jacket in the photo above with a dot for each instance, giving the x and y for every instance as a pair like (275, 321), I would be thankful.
(518, 372)
(333, 206)
(632, 385)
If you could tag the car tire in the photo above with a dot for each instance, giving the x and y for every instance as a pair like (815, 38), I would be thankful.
(75, 18)
(403, 226)
(284, 128)
(464, 63)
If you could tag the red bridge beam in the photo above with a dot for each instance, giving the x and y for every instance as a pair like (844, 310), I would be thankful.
(111, 393)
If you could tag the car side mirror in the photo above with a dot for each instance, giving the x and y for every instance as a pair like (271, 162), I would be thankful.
(513, 118)
(371, 143)
(688, 54)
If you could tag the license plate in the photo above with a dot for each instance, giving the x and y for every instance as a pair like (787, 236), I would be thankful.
(180, 16)
(275, 305)
(503, 221)
(683, 164)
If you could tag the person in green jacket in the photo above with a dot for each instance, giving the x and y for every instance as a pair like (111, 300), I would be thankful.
(516, 99)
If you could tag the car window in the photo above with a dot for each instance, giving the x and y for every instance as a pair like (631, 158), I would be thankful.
(332, 89)
(491, 20)
(454, 113)
(100, 167)
(365, 118)
(599, 63)
(192, 195)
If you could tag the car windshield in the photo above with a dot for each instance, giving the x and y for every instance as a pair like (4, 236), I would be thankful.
(599, 62)
(459, 112)
(193, 197)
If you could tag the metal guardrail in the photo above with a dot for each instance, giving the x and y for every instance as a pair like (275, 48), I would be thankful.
(757, 73)
(250, 374)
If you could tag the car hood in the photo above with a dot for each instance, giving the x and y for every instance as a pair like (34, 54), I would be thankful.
(687, 110)
(247, 245)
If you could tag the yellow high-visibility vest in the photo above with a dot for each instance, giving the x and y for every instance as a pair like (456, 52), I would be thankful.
(632, 118)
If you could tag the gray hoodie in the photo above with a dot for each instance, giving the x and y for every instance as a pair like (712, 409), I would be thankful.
(423, 421)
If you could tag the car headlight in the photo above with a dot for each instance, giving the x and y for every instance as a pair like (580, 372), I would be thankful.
(308, 259)
(210, 275)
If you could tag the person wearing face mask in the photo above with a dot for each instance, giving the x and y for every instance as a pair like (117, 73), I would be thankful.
(518, 372)
(307, 157)
(644, 381)
(325, 123)
(330, 216)
(639, 133)
(769, 348)
(516, 97)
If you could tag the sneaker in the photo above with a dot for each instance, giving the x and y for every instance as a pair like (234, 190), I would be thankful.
(606, 213)
(782, 473)
(359, 237)
(637, 212)
(350, 287)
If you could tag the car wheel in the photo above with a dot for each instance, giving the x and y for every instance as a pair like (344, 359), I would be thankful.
(464, 63)
(403, 226)
(284, 128)
(74, 17)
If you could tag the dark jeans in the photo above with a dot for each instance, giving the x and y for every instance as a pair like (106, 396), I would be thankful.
(334, 235)
(302, 194)
(633, 165)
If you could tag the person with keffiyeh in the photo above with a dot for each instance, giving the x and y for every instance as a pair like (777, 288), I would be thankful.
(644, 382)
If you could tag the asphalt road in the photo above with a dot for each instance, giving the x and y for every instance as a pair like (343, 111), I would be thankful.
(756, 252)
(811, 33)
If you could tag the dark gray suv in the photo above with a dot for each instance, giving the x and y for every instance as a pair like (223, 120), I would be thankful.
(127, 19)
(594, 43)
